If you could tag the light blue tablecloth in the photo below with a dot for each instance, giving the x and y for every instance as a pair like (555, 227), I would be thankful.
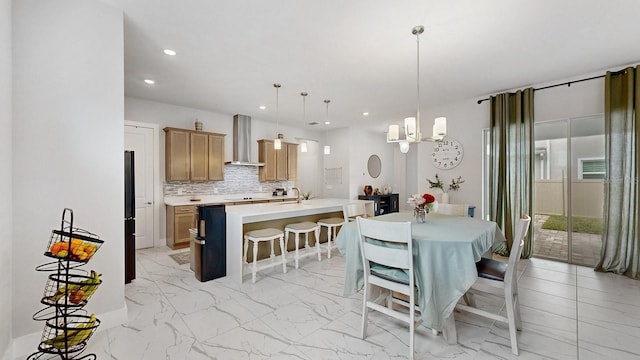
(446, 249)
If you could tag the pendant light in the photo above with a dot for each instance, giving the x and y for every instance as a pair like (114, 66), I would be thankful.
(412, 124)
(327, 148)
(303, 145)
(277, 143)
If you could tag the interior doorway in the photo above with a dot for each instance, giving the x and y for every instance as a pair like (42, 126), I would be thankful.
(141, 138)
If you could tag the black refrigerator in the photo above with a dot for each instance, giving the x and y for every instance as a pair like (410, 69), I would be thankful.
(129, 218)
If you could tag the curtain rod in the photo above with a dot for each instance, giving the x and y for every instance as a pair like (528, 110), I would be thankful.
(568, 83)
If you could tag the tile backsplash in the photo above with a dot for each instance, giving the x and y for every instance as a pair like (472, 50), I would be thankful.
(238, 179)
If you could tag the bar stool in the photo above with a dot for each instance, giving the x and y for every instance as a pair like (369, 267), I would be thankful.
(303, 228)
(269, 234)
(332, 229)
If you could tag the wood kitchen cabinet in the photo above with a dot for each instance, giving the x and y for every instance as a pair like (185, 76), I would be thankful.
(179, 220)
(193, 155)
(292, 161)
(278, 164)
(199, 156)
(216, 157)
(177, 154)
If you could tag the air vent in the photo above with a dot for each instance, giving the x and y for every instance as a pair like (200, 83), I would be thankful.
(313, 123)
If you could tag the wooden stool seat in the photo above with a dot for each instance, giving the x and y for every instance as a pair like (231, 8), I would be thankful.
(269, 234)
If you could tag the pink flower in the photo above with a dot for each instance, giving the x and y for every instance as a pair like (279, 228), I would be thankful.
(422, 200)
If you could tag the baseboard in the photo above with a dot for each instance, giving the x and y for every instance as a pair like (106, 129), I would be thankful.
(28, 344)
(160, 243)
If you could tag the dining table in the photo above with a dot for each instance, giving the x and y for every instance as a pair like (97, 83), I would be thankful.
(446, 249)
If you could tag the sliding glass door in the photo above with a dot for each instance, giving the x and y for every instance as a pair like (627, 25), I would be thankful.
(569, 181)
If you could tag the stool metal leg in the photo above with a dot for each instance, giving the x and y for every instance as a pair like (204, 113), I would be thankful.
(273, 254)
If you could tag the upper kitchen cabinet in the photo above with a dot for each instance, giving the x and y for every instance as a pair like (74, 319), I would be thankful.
(193, 155)
(216, 157)
(177, 154)
(267, 156)
(278, 164)
(199, 156)
(292, 161)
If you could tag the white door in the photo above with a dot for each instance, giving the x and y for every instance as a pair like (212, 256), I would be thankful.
(140, 141)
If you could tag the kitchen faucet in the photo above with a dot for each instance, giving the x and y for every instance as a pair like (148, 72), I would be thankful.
(297, 194)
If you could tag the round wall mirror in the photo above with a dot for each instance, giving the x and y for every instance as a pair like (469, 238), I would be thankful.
(374, 166)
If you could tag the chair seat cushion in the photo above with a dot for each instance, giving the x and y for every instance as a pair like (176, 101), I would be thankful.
(491, 269)
(391, 274)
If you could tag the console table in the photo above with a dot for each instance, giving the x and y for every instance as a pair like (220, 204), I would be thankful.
(383, 204)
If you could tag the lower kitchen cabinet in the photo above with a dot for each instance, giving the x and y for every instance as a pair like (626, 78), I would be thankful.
(179, 220)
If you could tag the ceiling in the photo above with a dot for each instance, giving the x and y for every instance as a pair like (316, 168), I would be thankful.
(361, 54)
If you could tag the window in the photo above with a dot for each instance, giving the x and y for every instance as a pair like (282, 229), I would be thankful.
(591, 168)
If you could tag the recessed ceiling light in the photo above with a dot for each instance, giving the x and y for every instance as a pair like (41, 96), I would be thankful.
(169, 52)
(327, 122)
(262, 107)
(365, 114)
(149, 81)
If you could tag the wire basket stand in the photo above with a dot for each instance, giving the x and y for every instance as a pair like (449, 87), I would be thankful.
(68, 326)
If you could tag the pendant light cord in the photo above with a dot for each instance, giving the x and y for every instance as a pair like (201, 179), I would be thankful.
(277, 86)
(304, 106)
(418, 83)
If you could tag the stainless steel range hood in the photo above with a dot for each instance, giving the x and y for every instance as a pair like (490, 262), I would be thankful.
(242, 141)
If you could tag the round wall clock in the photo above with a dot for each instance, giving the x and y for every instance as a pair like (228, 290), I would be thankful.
(447, 153)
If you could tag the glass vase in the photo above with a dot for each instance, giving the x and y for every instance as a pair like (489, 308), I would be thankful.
(421, 214)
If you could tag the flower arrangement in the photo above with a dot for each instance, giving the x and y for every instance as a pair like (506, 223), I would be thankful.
(438, 184)
(306, 195)
(424, 201)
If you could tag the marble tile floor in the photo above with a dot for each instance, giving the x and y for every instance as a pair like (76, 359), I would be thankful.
(568, 311)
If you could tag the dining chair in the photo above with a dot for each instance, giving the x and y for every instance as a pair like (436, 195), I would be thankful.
(353, 210)
(453, 209)
(495, 278)
(387, 256)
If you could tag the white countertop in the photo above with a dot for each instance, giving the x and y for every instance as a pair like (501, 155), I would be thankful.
(181, 200)
(271, 211)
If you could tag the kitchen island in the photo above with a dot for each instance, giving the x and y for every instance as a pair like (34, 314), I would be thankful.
(243, 218)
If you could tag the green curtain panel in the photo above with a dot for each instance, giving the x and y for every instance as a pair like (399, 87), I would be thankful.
(620, 243)
(511, 164)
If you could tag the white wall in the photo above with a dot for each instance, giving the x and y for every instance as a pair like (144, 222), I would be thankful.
(361, 147)
(465, 121)
(6, 215)
(68, 114)
(338, 161)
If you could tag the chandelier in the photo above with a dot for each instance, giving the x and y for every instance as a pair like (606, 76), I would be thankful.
(411, 128)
